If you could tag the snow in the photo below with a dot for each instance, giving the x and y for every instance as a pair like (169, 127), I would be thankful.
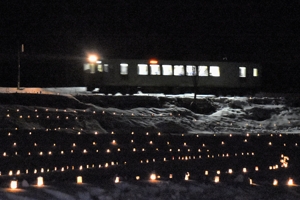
(158, 113)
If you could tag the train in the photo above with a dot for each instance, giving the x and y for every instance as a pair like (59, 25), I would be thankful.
(125, 76)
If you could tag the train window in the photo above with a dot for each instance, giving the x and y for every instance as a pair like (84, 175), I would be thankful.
(178, 70)
(167, 70)
(142, 69)
(105, 67)
(242, 72)
(124, 69)
(86, 67)
(190, 70)
(155, 69)
(255, 72)
(203, 70)
(214, 71)
(99, 68)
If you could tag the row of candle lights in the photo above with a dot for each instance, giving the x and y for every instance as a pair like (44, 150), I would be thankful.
(154, 177)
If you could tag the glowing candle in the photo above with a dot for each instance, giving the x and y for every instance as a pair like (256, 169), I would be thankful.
(290, 182)
(14, 184)
(187, 175)
(153, 177)
(217, 179)
(40, 181)
(117, 179)
(79, 179)
(275, 182)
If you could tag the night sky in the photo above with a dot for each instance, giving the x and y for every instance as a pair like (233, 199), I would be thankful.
(257, 31)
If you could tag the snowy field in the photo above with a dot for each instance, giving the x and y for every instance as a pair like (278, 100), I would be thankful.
(214, 148)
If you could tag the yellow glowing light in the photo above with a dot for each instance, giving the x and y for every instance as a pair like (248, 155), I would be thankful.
(217, 179)
(153, 61)
(92, 58)
(117, 179)
(137, 177)
(275, 182)
(290, 182)
(79, 179)
(284, 160)
(245, 170)
(153, 177)
(187, 175)
(14, 184)
(230, 171)
(40, 181)
(256, 168)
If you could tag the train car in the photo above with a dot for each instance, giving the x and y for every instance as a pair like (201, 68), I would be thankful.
(166, 76)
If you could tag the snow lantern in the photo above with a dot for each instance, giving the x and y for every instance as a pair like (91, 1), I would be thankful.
(14, 184)
(153, 177)
(290, 182)
(40, 181)
(79, 179)
(217, 179)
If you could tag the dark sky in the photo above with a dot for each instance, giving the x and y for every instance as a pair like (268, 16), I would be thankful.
(254, 30)
(58, 32)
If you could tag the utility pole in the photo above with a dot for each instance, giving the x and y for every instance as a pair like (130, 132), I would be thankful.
(19, 64)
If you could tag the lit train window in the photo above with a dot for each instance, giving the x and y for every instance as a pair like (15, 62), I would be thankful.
(190, 70)
(99, 68)
(105, 67)
(242, 72)
(142, 69)
(255, 72)
(178, 70)
(203, 70)
(155, 69)
(167, 70)
(86, 67)
(214, 71)
(124, 69)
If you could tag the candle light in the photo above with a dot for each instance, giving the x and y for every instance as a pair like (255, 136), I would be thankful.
(40, 181)
(117, 179)
(79, 179)
(217, 179)
(14, 184)
(290, 182)
(153, 177)
(187, 175)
